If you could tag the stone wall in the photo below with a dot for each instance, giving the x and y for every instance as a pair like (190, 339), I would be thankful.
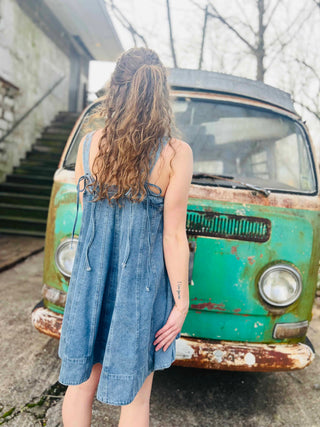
(32, 62)
(8, 94)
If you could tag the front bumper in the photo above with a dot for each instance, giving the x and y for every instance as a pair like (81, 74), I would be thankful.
(209, 354)
(46, 321)
(239, 356)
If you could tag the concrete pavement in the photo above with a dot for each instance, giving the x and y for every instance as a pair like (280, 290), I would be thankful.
(32, 396)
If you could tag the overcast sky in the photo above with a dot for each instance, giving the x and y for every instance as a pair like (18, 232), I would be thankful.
(224, 52)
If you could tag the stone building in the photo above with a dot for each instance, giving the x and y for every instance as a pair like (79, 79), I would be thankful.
(45, 49)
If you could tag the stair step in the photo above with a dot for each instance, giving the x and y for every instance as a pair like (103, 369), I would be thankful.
(28, 179)
(31, 170)
(24, 232)
(53, 137)
(42, 190)
(22, 223)
(56, 130)
(27, 211)
(41, 148)
(52, 158)
(25, 199)
(37, 163)
(50, 143)
(67, 114)
(63, 125)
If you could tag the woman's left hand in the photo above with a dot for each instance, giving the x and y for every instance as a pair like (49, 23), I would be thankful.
(167, 334)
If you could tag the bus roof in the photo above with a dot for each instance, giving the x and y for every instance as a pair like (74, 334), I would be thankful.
(180, 78)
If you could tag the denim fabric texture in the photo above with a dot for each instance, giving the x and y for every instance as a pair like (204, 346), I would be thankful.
(119, 293)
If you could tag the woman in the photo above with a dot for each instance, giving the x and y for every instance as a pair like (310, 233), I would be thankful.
(128, 293)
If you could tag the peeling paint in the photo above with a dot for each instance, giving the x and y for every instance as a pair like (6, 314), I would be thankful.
(250, 359)
(183, 350)
(234, 251)
(209, 306)
(238, 356)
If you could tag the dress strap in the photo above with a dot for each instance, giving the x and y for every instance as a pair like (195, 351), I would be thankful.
(86, 153)
(85, 177)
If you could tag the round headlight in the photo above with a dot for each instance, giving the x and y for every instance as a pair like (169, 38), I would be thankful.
(280, 285)
(64, 256)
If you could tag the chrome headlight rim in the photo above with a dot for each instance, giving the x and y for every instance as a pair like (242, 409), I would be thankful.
(281, 267)
(61, 245)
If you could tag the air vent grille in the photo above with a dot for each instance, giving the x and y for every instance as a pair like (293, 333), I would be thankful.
(228, 226)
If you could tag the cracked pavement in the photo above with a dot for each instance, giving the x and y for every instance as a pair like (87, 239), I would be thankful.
(30, 394)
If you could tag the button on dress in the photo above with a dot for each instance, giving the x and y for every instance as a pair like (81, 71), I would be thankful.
(119, 293)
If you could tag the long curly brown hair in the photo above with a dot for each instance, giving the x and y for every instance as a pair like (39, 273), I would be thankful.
(137, 116)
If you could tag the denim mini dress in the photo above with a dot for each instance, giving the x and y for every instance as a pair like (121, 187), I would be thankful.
(119, 293)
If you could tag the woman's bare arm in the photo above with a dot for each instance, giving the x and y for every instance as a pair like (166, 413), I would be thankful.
(175, 243)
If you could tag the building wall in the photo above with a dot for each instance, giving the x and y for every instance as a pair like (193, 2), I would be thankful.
(32, 62)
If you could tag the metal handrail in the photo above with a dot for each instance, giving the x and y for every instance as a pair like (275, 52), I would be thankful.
(16, 123)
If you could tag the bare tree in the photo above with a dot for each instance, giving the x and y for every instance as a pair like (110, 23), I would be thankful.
(254, 37)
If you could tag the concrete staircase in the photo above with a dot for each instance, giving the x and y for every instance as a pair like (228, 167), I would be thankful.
(25, 195)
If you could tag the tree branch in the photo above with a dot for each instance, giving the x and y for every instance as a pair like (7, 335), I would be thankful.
(290, 26)
(275, 7)
(218, 16)
(314, 113)
(205, 19)
(173, 52)
(126, 23)
(284, 44)
(247, 23)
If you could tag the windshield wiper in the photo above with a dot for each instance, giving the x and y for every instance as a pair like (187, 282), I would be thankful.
(208, 175)
(231, 178)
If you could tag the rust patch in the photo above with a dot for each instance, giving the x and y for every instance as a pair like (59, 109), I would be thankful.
(251, 260)
(209, 306)
(234, 251)
(237, 356)
(237, 310)
(47, 322)
(296, 201)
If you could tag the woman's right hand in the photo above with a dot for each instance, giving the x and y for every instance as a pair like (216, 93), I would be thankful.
(167, 334)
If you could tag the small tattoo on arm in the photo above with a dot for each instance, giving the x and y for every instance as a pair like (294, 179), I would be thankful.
(179, 289)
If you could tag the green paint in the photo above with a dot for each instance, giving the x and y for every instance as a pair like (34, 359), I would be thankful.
(224, 298)
(53, 307)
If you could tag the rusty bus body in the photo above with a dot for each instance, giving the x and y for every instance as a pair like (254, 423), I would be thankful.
(253, 225)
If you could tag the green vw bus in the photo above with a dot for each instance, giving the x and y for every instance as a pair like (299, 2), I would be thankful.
(253, 225)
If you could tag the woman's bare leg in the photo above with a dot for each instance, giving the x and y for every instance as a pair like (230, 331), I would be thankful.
(136, 414)
(77, 402)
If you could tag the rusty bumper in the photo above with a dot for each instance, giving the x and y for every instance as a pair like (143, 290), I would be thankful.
(209, 354)
(238, 356)
(46, 321)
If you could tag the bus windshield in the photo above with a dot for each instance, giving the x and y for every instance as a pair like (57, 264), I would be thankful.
(244, 143)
